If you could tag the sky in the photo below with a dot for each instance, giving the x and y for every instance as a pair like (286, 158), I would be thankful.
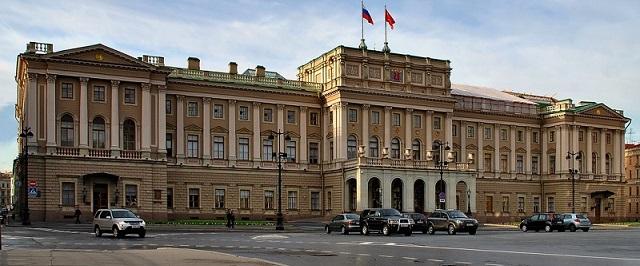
(585, 50)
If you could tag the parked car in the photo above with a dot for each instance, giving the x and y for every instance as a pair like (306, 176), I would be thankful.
(420, 221)
(574, 221)
(452, 221)
(119, 222)
(344, 223)
(541, 221)
(387, 221)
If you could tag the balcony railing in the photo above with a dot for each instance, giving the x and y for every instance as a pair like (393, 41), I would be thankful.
(67, 151)
(244, 79)
(99, 153)
(131, 154)
(398, 163)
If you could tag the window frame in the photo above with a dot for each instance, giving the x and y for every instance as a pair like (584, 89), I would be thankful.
(243, 113)
(129, 95)
(66, 91)
(193, 106)
(94, 94)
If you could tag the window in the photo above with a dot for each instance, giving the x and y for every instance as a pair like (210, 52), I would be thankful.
(415, 147)
(315, 201)
(594, 137)
(583, 204)
(130, 95)
(505, 203)
(594, 162)
(157, 194)
(353, 115)
(580, 135)
(352, 147)
(395, 148)
(218, 147)
(129, 135)
(169, 198)
(267, 115)
(552, 136)
(520, 204)
(520, 164)
(66, 131)
(375, 117)
(552, 164)
(192, 109)
(169, 144)
(489, 204)
(454, 130)
(292, 200)
(330, 117)
(395, 119)
(471, 132)
(608, 138)
(267, 149)
(374, 152)
(329, 200)
(487, 162)
(417, 121)
(313, 153)
(167, 107)
(244, 199)
(243, 149)
(67, 91)
(534, 165)
(98, 93)
(331, 154)
(607, 164)
(313, 118)
(268, 200)
(131, 196)
(98, 133)
(218, 111)
(68, 194)
(536, 204)
(291, 116)
(551, 204)
(192, 146)
(194, 198)
(436, 122)
(487, 133)
(610, 205)
(504, 134)
(504, 165)
(243, 113)
(536, 137)
(520, 136)
(291, 151)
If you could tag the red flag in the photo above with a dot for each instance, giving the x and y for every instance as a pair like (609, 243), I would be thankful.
(388, 18)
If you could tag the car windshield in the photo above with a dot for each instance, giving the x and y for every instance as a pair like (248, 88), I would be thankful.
(390, 212)
(457, 214)
(352, 216)
(123, 214)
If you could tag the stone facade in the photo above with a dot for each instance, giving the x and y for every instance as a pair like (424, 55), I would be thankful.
(5, 190)
(632, 175)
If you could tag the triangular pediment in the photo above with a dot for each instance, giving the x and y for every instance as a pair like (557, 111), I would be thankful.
(99, 53)
(192, 127)
(293, 134)
(314, 136)
(244, 130)
(171, 126)
(535, 151)
(267, 132)
(505, 148)
(488, 148)
(219, 129)
(521, 150)
(471, 147)
(599, 110)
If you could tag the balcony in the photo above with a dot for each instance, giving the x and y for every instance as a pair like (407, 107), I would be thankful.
(404, 164)
(244, 79)
(102, 153)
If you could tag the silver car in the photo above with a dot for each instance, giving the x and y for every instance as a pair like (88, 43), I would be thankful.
(119, 222)
(574, 221)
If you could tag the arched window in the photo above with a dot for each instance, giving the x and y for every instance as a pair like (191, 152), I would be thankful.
(374, 151)
(66, 131)
(129, 135)
(352, 147)
(607, 164)
(415, 146)
(97, 134)
(395, 148)
(594, 162)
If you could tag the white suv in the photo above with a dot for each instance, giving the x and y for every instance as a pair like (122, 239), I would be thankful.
(119, 222)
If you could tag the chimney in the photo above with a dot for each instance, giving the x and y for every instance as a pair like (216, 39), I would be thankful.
(233, 68)
(259, 71)
(193, 63)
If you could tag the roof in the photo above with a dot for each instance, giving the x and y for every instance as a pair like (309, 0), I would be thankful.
(487, 93)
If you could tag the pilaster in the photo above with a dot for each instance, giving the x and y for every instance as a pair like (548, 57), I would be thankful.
(429, 129)
(365, 128)
(32, 111)
(162, 120)
(303, 135)
(589, 153)
(51, 113)
(179, 128)
(232, 131)
(206, 129)
(480, 155)
(408, 128)
(603, 151)
(387, 129)
(496, 147)
(146, 119)
(257, 118)
(84, 120)
(512, 147)
(115, 119)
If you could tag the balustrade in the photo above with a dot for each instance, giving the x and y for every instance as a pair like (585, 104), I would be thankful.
(99, 153)
(227, 77)
(131, 154)
(67, 151)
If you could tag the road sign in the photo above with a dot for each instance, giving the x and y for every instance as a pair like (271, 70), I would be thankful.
(33, 192)
(441, 200)
(441, 196)
(33, 183)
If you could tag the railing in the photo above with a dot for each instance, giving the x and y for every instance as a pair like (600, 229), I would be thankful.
(154, 60)
(67, 151)
(37, 47)
(99, 153)
(131, 154)
(398, 163)
(244, 79)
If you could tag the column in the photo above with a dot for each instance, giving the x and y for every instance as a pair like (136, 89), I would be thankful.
(448, 134)
(179, 128)
(620, 154)
(480, 156)
(362, 190)
(429, 129)
(575, 144)
(430, 193)
(162, 120)
(115, 119)
(32, 110)
(463, 142)
(387, 129)
(407, 194)
(325, 128)
(257, 118)
(566, 145)
(512, 147)
(496, 148)
(334, 131)
(386, 192)
(146, 119)
(603, 151)
(588, 154)
(544, 157)
(617, 153)
(342, 132)
(527, 141)
(559, 149)
(84, 120)
(232, 131)
(303, 135)
(365, 128)
(450, 190)
(408, 127)
(206, 129)
(51, 113)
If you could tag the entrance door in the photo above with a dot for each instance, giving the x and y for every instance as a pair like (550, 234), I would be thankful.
(598, 203)
(100, 196)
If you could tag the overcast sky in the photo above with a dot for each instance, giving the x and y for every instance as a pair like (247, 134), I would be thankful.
(583, 50)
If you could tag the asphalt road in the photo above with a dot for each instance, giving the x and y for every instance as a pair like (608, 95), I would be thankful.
(610, 247)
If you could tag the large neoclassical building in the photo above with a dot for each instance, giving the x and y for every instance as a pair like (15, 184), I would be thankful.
(357, 127)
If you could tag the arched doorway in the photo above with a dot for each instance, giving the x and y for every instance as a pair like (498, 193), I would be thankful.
(351, 194)
(441, 187)
(375, 193)
(418, 196)
(462, 198)
(396, 194)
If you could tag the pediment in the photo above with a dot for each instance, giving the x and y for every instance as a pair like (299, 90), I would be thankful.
(293, 134)
(535, 151)
(314, 136)
(456, 146)
(505, 148)
(244, 130)
(99, 53)
(471, 147)
(488, 148)
(192, 127)
(171, 126)
(219, 129)
(551, 151)
(521, 150)
(600, 110)
(268, 132)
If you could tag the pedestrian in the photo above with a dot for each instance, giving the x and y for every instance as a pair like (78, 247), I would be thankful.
(77, 214)
(233, 220)
(228, 216)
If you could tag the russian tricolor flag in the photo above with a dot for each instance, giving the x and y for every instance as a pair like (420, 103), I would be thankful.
(366, 15)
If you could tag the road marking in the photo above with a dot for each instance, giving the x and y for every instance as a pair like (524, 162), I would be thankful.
(366, 243)
(183, 245)
(309, 250)
(363, 254)
(345, 253)
(385, 256)
(435, 260)
(390, 244)
(463, 262)
(409, 258)
(271, 236)
(229, 246)
(493, 264)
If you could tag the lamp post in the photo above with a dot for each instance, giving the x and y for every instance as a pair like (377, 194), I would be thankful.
(573, 171)
(468, 202)
(24, 135)
(279, 155)
(441, 163)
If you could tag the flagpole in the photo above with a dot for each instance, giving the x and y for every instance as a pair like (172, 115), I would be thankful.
(385, 48)
(362, 46)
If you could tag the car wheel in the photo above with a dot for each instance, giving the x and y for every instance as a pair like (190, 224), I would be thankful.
(97, 231)
(451, 230)
(142, 234)
(547, 228)
(472, 232)
(431, 230)
(327, 230)
(572, 228)
(344, 231)
(386, 230)
(524, 228)
(365, 230)
(585, 229)
(116, 233)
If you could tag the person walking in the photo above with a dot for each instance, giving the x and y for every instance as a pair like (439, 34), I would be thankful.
(228, 216)
(233, 220)
(77, 214)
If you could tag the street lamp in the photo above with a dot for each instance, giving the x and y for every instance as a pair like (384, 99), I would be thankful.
(441, 163)
(279, 155)
(468, 202)
(573, 171)
(24, 135)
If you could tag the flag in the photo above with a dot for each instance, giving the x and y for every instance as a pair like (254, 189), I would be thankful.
(388, 18)
(366, 16)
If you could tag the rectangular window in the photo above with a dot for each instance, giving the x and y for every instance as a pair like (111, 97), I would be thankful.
(375, 117)
(536, 204)
(218, 147)
(580, 135)
(313, 119)
(329, 200)
(594, 137)
(98, 135)
(454, 130)
(313, 153)
(68, 194)
(353, 115)
(157, 194)
(488, 133)
(192, 146)
(267, 149)
(489, 204)
(98, 93)
(167, 107)
(551, 204)
(218, 111)
(608, 137)
(395, 119)
(169, 144)
(552, 136)
(292, 200)
(552, 164)
(315, 201)
(536, 137)
(131, 196)
(520, 136)
(487, 162)
(219, 198)
(130, 95)
(504, 134)
(331, 150)
(436, 122)
(194, 198)
(268, 200)
(243, 149)
(192, 109)
(169, 198)
(291, 151)
(243, 113)
(267, 115)
(521, 204)
(471, 132)
(504, 165)
(520, 164)
(291, 116)
(67, 91)
(417, 121)
(534, 165)
(505, 203)
(245, 195)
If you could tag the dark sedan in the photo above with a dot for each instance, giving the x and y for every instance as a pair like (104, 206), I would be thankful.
(541, 221)
(344, 223)
(420, 221)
